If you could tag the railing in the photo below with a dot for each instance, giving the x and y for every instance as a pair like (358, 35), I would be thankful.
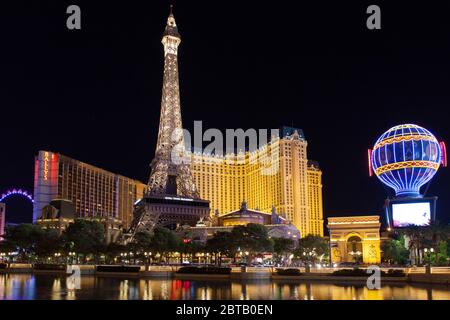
(440, 270)
(316, 270)
(443, 270)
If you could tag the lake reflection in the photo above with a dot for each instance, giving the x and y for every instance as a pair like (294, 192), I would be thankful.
(46, 287)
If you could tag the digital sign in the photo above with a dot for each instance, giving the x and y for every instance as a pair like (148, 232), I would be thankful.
(415, 213)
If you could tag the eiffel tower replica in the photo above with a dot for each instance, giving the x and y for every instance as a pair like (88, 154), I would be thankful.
(171, 198)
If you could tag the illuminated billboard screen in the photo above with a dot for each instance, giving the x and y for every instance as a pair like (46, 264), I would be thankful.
(413, 213)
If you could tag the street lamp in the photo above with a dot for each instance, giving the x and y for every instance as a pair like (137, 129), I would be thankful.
(355, 255)
(148, 256)
(123, 257)
(431, 250)
(57, 255)
(74, 256)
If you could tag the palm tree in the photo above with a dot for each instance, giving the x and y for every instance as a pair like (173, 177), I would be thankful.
(435, 233)
(416, 237)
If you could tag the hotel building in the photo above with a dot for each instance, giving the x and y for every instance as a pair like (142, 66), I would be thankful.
(288, 182)
(276, 175)
(315, 202)
(94, 192)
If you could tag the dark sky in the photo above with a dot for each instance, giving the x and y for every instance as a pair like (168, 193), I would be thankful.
(94, 94)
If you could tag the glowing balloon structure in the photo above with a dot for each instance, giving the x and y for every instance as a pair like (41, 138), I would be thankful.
(406, 157)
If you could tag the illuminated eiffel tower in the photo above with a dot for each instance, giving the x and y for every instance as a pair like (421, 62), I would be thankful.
(170, 173)
(172, 197)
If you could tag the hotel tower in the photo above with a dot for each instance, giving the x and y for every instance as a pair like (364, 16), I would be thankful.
(276, 175)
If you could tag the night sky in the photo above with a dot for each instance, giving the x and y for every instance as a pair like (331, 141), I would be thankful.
(94, 94)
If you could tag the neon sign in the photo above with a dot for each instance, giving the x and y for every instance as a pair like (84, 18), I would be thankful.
(46, 166)
(443, 154)
(369, 156)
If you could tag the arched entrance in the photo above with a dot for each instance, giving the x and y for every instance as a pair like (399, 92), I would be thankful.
(354, 249)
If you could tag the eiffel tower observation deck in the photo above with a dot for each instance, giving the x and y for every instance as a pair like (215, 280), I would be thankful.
(172, 198)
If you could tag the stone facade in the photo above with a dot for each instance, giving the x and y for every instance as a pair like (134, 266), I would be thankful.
(354, 239)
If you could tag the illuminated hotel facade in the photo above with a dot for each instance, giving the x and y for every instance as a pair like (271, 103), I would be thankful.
(288, 182)
(276, 175)
(94, 192)
(315, 200)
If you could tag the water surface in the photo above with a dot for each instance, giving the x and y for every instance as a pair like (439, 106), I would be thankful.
(53, 287)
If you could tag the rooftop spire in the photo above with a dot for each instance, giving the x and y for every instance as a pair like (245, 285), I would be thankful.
(171, 26)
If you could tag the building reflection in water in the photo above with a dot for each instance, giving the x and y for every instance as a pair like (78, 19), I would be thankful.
(29, 287)
(146, 290)
(14, 288)
(123, 290)
(164, 295)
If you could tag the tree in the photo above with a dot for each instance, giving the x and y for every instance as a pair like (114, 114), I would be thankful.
(416, 238)
(142, 242)
(48, 243)
(442, 253)
(283, 247)
(24, 238)
(436, 236)
(252, 238)
(113, 250)
(88, 237)
(436, 232)
(426, 237)
(7, 246)
(394, 251)
(164, 241)
(311, 247)
(193, 248)
(221, 244)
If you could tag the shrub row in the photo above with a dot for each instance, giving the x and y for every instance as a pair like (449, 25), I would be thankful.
(395, 273)
(204, 270)
(363, 273)
(288, 272)
(133, 269)
(48, 266)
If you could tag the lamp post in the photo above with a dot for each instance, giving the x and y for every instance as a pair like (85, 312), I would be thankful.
(147, 257)
(123, 257)
(428, 267)
(57, 256)
(132, 256)
(2, 256)
(71, 257)
(355, 255)
(358, 256)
